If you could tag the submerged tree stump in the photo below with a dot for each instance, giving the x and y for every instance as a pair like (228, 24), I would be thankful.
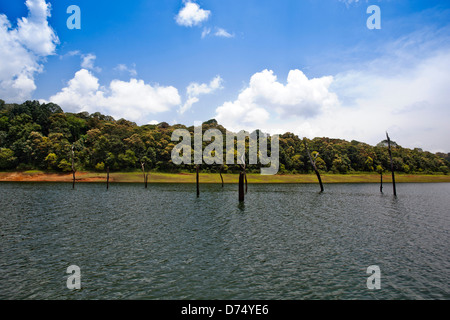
(244, 170)
(73, 167)
(392, 164)
(241, 186)
(198, 185)
(107, 177)
(380, 170)
(220, 172)
(145, 175)
(246, 184)
(146, 180)
(381, 182)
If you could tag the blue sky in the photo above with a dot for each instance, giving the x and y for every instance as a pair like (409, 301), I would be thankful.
(310, 67)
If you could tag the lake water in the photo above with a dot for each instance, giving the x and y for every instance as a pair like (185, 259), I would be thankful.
(286, 242)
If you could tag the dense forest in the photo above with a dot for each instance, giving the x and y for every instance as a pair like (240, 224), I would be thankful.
(41, 136)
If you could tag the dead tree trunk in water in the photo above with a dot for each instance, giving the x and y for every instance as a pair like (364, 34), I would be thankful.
(220, 172)
(198, 186)
(313, 163)
(381, 182)
(73, 167)
(380, 171)
(107, 177)
(242, 178)
(241, 186)
(146, 180)
(244, 169)
(392, 164)
(145, 175)
(246, 184)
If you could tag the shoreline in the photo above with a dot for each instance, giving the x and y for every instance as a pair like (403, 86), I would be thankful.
(158, 177)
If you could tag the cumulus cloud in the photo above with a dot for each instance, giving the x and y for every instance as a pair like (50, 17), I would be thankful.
(404, 92)
(134, 100)
(412, 103)
(265, 96)
(24, 48)
(34, 32)
(194, 90)
(191, 14)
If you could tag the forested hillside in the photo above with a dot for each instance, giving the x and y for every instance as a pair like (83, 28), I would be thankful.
(40, 136)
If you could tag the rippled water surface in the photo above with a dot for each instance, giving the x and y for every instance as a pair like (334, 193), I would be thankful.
(285, 242)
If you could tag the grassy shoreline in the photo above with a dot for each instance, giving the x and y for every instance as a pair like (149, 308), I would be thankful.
(158, 177)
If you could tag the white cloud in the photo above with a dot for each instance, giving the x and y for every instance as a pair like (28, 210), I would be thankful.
(24, 48)
(220, 32)
(124, 68)
(133, 100)
(73, 53)
(223, 33)
(70, 54)
(404, 92)
(34, 32)
(411, 104)
(194, 90)
(191, 15)
(87, 62)
(265, 98)
(188, 104)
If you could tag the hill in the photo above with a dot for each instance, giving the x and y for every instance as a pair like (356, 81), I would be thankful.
(40, 136)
